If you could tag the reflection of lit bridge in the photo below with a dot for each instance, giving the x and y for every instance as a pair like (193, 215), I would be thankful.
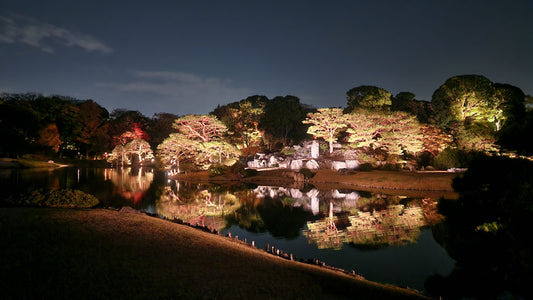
(395, 225)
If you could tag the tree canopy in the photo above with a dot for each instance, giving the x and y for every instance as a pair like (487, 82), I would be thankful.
(326, 124)
(282, 120)
(368, 97)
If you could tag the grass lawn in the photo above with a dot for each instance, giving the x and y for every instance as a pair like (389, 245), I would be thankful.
(96, 253)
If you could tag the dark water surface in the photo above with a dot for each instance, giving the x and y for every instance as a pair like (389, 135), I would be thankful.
(385, 238)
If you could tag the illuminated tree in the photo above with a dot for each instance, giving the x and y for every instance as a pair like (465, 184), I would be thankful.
(141, 148)
(216, 152)
(175, 149)
(368, 97)
(510, 105)
(435, 140)
(118, 156)
(463, 99)
(202, 128)
(396, 132)
(125, 138)
(49, 137)
(326, 124)
(207, 136)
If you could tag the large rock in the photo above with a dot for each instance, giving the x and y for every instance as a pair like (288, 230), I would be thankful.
(352, 164)
(337, 165)
(285, 164)
(256, 163)
(272, 161)
(296, 193)
(311, 164)
(314, 149)
(296, 164)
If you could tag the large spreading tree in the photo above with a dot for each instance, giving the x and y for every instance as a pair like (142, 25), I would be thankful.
(463, 99)
(368, 97)
(326, 123)
(396, 132)
(282, 119)
(208, 136)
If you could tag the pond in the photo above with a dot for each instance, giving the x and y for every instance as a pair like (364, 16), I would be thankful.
(385, 238)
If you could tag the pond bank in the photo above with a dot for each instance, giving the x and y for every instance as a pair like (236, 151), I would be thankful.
(19, 163)
(65, 253)
(412, 184)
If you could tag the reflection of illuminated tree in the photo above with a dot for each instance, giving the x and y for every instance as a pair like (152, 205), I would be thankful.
(130, 185)
(196, 205)
(396, 225)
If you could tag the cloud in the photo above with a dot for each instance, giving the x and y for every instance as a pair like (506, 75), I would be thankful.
(28, 31)
(189, 90)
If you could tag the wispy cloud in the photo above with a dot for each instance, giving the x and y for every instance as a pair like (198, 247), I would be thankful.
(189, 90)
(31, 32)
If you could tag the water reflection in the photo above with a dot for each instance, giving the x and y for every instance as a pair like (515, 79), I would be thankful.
(196, 204)
(131, 183)
(327, 219)
(267, 215)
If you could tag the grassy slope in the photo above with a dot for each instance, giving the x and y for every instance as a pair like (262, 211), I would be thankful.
(60, 253)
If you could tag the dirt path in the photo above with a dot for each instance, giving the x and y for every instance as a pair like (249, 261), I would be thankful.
(62, 253)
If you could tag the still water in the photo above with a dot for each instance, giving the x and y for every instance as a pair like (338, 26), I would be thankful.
(385, 238)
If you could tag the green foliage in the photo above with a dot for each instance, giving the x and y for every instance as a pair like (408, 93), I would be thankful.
(326, 124)
(449, 158)
(288, 151)
(282, 121)
(201, 138)
(455, 158)
(489, 227)
(217, 170)
(461, 98)
(175, 150)
(391, 167)
(365, 167)
(368, 97)
(396, 132)
(66, 198)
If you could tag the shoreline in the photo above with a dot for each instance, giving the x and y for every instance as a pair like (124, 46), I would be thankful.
(415, 184)
(95, 252)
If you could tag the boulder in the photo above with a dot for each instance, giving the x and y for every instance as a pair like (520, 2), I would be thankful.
(311, 164)
(337, 165)
(296, 164)
(273, 161)
(284, 164)
(296, 193)
(314, 149)
(352, 164)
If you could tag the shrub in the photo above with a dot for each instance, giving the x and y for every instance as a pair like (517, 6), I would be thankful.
(455, 158)
(392, 167)
(58, 198)
(217, 170)
(449, 158)
(288, 151)
(365, 167)
(70, 198)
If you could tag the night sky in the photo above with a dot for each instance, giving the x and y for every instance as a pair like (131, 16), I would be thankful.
(189, 56)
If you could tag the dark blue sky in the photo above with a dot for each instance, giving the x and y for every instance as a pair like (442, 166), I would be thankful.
(188, 56)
